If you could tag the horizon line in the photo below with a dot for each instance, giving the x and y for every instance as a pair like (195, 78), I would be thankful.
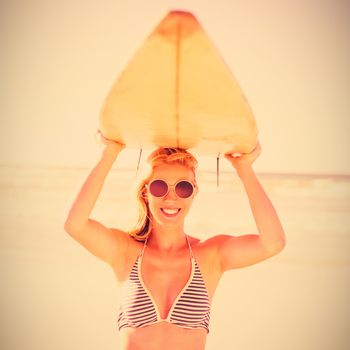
(128, 168)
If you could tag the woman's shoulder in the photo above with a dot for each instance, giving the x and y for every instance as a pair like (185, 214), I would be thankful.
(205, 253)
(205, 246)
(123, 267)
(208, 248)
(206, 242)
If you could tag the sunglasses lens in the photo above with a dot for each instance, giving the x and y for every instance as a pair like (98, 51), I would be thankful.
(158, 188)
(184, 189)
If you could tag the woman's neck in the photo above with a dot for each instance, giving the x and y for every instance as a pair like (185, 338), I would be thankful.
(167, 238)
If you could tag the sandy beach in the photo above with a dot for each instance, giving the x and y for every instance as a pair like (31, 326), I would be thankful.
(56, 295)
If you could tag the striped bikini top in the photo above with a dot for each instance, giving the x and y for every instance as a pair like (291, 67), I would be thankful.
(191, 308)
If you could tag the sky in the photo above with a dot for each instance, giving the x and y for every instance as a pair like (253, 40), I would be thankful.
(60, 58)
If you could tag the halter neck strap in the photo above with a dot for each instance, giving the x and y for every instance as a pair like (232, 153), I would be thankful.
(144, 246)
(189, 246)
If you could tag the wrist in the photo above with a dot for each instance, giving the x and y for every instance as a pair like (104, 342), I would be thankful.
(112, 149)
(244, 170)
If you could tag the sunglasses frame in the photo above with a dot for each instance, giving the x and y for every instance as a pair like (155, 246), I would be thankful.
(172, 187)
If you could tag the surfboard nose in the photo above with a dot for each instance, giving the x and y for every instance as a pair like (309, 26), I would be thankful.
(180, 13)
(177, 21)
(177, 91)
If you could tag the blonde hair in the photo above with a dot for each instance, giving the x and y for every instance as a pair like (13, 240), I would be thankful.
(143, 227)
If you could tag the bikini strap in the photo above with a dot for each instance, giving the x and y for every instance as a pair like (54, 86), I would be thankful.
(144, 246)
(189, 245)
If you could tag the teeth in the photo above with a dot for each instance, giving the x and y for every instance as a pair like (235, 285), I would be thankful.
(170, 211)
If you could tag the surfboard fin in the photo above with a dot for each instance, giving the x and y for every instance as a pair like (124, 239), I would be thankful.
(139, 161)
(217, 169)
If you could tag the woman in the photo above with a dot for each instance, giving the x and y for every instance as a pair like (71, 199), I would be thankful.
(169, 278)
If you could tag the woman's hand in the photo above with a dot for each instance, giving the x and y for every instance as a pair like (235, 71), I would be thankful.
(242, 161)
(109, 144)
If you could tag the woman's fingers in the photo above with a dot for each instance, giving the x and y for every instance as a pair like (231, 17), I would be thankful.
(250, 157)
(102, 139)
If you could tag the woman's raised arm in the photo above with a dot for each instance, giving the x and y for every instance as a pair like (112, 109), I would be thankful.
(246, 250)
(107, 244)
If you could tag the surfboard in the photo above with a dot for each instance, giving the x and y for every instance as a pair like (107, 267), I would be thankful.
(177, 91)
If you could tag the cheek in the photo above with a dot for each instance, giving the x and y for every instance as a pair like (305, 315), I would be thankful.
(153, 203)
(187, 205)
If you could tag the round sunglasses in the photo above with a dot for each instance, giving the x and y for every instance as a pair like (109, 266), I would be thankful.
(160, 188)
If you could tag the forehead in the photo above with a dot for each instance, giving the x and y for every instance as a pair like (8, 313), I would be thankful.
(172, 173)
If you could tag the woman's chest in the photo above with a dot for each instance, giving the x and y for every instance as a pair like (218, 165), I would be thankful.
(165, 279)
(166, 276)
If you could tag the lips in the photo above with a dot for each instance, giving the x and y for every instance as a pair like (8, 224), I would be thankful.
(170, 212)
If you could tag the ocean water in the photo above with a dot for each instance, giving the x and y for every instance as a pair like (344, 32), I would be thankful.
(56, 295)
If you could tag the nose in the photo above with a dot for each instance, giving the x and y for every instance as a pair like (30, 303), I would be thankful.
(171, 194)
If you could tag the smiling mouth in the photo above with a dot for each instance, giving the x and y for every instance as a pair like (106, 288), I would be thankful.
(170, 212)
